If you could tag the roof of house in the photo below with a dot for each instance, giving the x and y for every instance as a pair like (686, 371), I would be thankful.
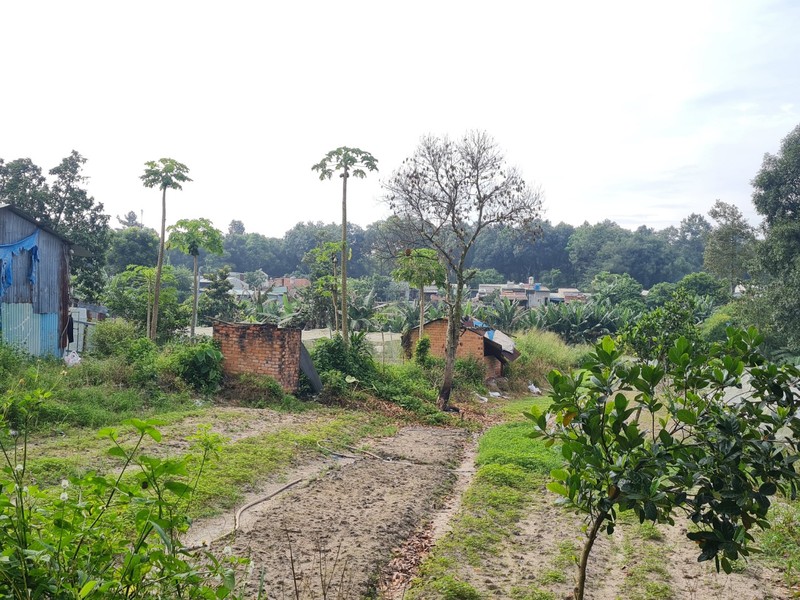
(500, 344)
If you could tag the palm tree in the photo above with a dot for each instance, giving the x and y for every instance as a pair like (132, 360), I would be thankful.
(190, 236)
(163, 174)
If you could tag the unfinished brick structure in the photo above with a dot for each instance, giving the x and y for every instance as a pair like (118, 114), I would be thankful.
(471, 343)
(261, 349)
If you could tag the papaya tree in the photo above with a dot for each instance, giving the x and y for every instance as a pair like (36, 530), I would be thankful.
(164, 174)
(351, 162)
(711, 434)
(190, 236)
(420, 267)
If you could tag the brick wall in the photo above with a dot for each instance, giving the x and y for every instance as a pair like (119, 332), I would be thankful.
(262, 350)
(469, 344)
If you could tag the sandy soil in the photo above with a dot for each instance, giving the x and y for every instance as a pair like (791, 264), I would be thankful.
(329, 535)
(627, 565)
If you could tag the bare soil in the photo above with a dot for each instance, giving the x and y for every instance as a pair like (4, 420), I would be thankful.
(329, 536)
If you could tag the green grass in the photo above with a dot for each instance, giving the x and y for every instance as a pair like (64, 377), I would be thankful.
(541, 352)
(511, 467)
(780, 544)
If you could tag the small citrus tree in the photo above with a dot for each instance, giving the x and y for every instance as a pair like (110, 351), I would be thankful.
(713, 434)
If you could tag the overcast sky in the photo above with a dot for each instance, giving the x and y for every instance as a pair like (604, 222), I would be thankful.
(638, 112)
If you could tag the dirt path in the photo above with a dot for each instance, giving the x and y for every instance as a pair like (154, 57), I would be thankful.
(329, 535)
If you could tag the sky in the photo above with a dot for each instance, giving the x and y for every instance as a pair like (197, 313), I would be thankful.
(638, 112)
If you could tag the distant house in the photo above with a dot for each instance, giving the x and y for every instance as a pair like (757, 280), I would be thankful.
(524, 294)
(493, 347)
(568, 295)
(34, 284)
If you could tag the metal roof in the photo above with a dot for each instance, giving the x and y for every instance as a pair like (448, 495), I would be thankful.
(77, 250)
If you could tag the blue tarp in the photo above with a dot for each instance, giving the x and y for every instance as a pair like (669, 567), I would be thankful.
(9, 251)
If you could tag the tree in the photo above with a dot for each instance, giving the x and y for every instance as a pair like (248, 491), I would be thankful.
(129, 295)
(217, 302)
(236, 227)
(163, 174)
(355, 162)
(776, 187)
(684, 436)
(189, 236)
(445, 196)
(130, 220)
(420, 267)
(66, 207)
(617, 290)
(132, 246)
(730, 246)
(321, 263)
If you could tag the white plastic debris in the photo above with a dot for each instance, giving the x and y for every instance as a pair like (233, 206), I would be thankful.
(533, 389)
(481, 398)
(495, 394)
(71, 358)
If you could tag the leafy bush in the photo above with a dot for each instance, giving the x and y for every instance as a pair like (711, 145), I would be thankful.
(112, 337)
(356, 359)
(71, 542)
(258, 391)
(470, 373)
(199, 365)
(422, 353)
(141, 354)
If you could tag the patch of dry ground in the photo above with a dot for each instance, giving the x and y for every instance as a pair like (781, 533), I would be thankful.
(636, 563)
(329, 536)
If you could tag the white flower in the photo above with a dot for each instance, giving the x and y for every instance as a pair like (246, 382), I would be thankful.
(19, 467)
(64, 483)
(64, 496)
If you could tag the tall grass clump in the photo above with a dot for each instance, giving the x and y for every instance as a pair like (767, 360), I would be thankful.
(540, 353)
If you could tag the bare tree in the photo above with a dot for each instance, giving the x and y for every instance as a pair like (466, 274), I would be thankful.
(443, 197)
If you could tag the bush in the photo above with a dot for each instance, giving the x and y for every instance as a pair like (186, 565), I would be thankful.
(11, 361)
(540, 353)
(112, 337)
(199, 365)
(470, 373)
(258, 391)
(356, 359)
(422, 353)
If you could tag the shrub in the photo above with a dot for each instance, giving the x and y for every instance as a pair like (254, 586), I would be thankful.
(470, 373)
(422, 353)
(541, 352)
(199, 365)
(258, 391)
(356, 359)
(111, 337)
(11, 361)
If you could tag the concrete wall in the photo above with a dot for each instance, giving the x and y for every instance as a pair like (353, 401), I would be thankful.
(261, 350)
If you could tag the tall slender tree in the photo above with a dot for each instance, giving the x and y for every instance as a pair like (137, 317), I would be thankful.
(190, 236)
(164, 174)
(350, 162)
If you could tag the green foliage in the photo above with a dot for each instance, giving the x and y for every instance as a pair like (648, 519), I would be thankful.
(132, 246)
(654, 439)
(652, 335)
(216, 302)
(111, 337)
(504, 314)
(540, 353)
(260, 391)
(704, 284)
(71, 542)
(470, 373)
(354, 359)
(200, 365)
(579, 322)
(422, 351)
(621, 291)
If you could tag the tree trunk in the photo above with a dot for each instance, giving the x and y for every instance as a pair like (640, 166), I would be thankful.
(335, 300)
(421, 310)
(453, 335)
(196, 295)
(159, 265)
(587, 549)
(345, 337)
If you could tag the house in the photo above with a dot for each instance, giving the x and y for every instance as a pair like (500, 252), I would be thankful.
(493, 347)
(524, 294)
(34, 284)
(567, 295)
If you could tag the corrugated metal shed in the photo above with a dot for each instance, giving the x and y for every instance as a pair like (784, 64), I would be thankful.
(33, 314)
